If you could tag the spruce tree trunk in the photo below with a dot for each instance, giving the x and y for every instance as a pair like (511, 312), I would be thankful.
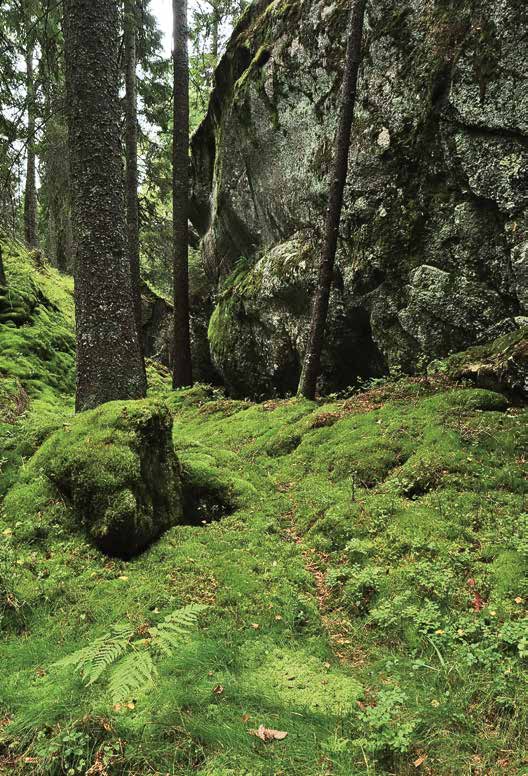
(312, 359)
(131, 142)
(214, 35)
(182, 369)
(3, 280)
(30, 194)
(55, 185)
(109, 364)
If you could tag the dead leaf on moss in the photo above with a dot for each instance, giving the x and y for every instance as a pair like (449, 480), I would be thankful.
(268, 734)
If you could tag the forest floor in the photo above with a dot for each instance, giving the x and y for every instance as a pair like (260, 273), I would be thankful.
(365, 579)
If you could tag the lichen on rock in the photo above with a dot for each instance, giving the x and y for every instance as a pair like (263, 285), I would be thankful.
(432, 256)
(501, 365)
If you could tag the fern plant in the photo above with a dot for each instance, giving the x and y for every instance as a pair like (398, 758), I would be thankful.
(130, 660)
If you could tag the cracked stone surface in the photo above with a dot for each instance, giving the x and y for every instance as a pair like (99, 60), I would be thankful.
(433, 255)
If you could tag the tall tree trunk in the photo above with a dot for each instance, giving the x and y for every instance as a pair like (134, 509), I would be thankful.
(55, 185)
(131, 141)
(182, 368)
(312, 359)
(214, 34)
(109, 364)
(30, 195)
(3, 281)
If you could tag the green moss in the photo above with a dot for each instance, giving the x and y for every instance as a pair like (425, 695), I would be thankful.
(361, 558)
(509, 572)
(501, 364)
(38, 348)
(116, 467)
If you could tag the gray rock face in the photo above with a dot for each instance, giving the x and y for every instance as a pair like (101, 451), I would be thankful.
(157, 316)
(433, 255)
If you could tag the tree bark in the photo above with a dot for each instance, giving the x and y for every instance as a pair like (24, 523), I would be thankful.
(182, 368)
(56, 186)
(214, 34)
(3, 280)
(30, 194)
(131, 142)
(312, 359)
(109, 364)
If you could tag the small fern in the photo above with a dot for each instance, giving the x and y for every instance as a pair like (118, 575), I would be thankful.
(135, 672)
(132, 660)
(167, 636)
(91, 661)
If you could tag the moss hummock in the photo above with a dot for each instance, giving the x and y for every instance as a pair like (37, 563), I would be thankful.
(37, 355)
(117, 467)
(37, 340)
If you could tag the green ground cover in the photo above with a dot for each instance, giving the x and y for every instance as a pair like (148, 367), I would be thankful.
(362, 560)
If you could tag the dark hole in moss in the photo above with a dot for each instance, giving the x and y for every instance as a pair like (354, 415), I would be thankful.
(205, 503)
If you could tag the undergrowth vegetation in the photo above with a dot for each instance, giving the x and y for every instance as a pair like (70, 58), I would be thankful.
(365, 587)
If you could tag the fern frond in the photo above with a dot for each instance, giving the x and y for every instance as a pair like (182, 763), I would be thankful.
(107, 653)
(92, 660)
(169, 634)
(135, 670)
(132, 673)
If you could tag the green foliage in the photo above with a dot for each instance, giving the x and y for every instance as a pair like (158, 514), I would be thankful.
(384, 724)
(168, 634)
(115, 467)
(388, 527)
(131, 660)
(94, 659)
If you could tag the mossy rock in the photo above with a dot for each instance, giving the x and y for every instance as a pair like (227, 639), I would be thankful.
(501, 365)
(117, 467)
(429, 262)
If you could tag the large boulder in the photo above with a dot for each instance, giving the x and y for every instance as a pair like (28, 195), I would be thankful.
(433, 255)
(501, 365)
(117, 467)
(158, 322)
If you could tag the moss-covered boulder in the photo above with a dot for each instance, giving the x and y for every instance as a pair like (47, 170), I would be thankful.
(433, 255)
(258, 330)
(501, 365)
(117, 467)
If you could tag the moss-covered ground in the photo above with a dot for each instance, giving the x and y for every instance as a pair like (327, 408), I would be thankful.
(366, 592)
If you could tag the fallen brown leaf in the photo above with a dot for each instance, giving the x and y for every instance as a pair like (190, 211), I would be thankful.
(268, 734)
(420, 760)
(219, 689)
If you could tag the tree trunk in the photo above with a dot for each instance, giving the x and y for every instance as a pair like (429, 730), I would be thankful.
(30, 195)
(55, 185)
(214, 35)
(182, 369)
(109, 365)
(3, 280)
(312, 359)
(131, 140)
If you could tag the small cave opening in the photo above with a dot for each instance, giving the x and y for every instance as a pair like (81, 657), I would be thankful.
(206, 502)
(355, 356)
